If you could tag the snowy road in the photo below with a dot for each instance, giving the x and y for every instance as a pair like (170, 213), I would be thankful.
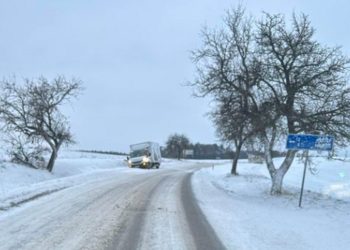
(155, 209)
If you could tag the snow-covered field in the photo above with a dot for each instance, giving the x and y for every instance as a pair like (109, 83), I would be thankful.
(19, 183)
(247, 217)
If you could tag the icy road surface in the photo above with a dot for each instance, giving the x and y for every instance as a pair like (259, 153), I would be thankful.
(131, 209)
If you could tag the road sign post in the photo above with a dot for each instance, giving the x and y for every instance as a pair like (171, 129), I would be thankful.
(303, 181)
(306, 143)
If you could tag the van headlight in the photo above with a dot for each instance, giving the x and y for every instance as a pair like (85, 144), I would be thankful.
(145, 159)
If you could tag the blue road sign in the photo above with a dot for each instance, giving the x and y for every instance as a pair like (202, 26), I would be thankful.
(310, 142)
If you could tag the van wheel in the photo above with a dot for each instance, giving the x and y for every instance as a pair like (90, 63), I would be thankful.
(157, 165)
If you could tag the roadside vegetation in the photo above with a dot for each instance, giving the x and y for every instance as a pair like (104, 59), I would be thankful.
(101, 152)
(31, 117)
(268, 77)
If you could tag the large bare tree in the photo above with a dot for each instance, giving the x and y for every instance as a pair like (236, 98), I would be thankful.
(32, 109)
(306, 82)
(281, 79)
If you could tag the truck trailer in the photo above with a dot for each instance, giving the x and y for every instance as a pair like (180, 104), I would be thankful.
(144, 155)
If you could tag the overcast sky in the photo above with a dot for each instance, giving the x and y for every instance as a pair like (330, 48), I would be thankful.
(134, 58)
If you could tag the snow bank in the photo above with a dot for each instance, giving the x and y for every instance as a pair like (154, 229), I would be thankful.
(247, 217)
(19, 183)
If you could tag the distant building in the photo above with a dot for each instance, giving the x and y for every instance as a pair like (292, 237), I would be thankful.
(255, 157)
(188, 153)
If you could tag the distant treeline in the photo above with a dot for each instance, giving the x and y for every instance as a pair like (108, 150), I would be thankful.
(211, 151)
(200, 151)
(101, 152)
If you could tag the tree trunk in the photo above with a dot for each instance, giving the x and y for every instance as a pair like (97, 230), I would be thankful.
(52, 160)
(277, 181)
(277, 177)
(268, 158)
(235, 159)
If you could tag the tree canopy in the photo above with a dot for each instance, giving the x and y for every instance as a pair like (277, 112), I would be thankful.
(269, 78)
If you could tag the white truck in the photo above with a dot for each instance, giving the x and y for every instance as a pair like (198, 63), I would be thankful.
(144, 155)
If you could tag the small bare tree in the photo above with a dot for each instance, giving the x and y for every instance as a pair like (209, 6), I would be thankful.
(175, 145)
(232, 124)
(24, 151)
(32, 110)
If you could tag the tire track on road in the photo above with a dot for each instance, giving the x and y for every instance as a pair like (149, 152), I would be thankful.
(128, 236)
(203, 234)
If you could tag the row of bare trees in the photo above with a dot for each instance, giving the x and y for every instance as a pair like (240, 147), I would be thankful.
(270, 78)
(31, 118)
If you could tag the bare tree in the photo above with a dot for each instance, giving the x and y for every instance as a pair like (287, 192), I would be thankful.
(32, 110)
(228, 70)
(233, 125)
(306, 82)
(175, 145)
(275, 77)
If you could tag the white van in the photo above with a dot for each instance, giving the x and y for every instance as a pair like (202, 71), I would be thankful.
(144, 155)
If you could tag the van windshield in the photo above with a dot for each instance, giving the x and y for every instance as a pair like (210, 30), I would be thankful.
(137, 153)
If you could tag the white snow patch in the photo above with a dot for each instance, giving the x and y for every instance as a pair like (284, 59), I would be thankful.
(246, 216)
(19, 183)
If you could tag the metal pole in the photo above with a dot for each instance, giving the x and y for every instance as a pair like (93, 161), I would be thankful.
(302, 184)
